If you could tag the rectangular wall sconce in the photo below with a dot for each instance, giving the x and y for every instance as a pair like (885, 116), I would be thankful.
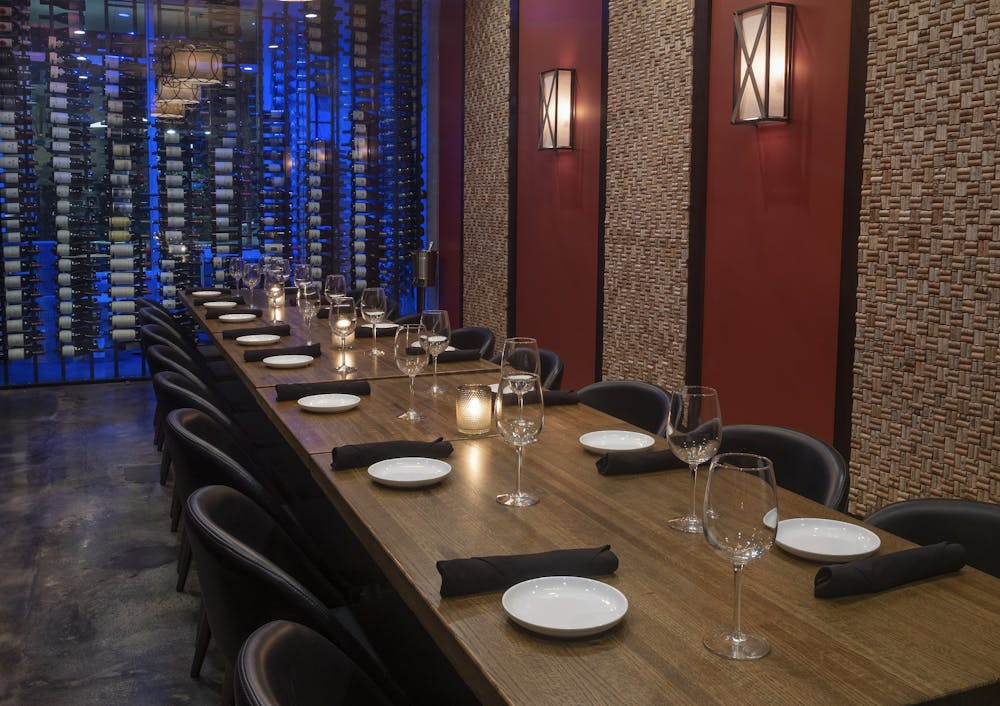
(762, 78)
(555, 103)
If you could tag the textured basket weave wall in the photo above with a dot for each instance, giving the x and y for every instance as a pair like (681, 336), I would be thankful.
(925, 418)
(487, 164)
(648, 190)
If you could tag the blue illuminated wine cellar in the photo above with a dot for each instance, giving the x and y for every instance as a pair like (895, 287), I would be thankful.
(144, 143)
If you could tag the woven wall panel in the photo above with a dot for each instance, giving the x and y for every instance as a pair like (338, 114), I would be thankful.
(926, 419)
(487, 164)
(648, 190)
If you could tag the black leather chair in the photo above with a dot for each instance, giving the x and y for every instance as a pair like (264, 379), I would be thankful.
(802, 463)
(209, 370)
(287, 664)
(636, 402)
(472, 337)
(152, 315)
(973, 524)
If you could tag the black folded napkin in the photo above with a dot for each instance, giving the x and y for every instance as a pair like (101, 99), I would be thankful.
(233, 299)
(323, 313)
(355, 455)
(260, 354)
(459, 355)
(280, 330)
(216, 313)
(493, 573)
(620, 463)
(552, 398)
(365, 330)
(294, 391)
(878, 573)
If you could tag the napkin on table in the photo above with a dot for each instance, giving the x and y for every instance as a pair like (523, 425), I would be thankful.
(878, 573)
(260, 354)
(620, 463)
(356, 455)
(216, 313)
(365, 330)
(493, 573)
(293, 391)
(280, 330)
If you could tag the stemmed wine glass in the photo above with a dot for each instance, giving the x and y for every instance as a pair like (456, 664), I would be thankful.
(739, 493)
(302, 273)
(694, 430)
(520, 366)
(235, 267)
(343, 321)
(373, 309)
(411, 358)
(438, 338)
(274, 285)
(334, 286)
(251, 276)
(308, 306)
(519, 421)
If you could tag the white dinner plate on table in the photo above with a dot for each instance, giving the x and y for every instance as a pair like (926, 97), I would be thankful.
(419, 344)
(258, 339)
(206, 294)
(287, 361)
(219, 305)
(409, 472)
(565, 606)
(329, 403)
(234, 318)
(826, 540)
(496, 386)
(771, 518)
(601, 442)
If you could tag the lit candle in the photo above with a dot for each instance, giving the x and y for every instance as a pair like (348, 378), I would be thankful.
(473, 409)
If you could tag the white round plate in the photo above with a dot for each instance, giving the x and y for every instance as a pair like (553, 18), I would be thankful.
(234, 318)
(219, 305)
(409, 472)
(287, 361)
(257, 339)
(496, 386)
(205, 294)
(771, 518)
(601, 442)
(826, 540)
(329, 403)
(565, 606)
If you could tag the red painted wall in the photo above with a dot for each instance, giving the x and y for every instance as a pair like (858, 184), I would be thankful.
(450, 140)
(773, 231)
(557, 190)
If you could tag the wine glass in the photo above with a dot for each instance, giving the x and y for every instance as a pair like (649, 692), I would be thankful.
(520, 366)
(251, 276)
(519, 421)
(739, 493)
(373, 309)
(334, 286)
(694, 430)
(308, 306)
(235, 267)
(411, 358)
(274, 286)
(302, 273)
(438, 338)
(343, 321)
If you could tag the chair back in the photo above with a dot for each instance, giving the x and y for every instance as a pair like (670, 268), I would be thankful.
(973, 524)
(802, 463)
(473, 337)
(551, 369)
(287, 664)
(176, 391)
(634, 401)
(162, 358)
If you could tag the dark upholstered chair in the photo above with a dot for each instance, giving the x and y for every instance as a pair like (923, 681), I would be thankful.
(472, 337)
(408, 319)
(973, 524)
(802, 463)
(287, 664)
(208, 370)
(550, 365)
(636, 402)
(152, 315)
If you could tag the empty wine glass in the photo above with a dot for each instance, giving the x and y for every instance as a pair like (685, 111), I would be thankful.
(235, 267)
(274, 286)
(343, 321)
(302, 273)
(519, 420)
(373, 309)
(520, 366)
(334, 286)
(251, 276)
(308, 306)
(411, 358)
(694, 429)
(438, 338)
(739, 493)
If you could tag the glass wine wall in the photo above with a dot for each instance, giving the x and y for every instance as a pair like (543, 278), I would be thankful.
(145, 142)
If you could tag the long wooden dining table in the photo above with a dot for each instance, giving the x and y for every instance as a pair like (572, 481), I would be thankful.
(934, 639)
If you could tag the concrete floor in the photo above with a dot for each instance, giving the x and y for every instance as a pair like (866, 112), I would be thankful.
(88, 610)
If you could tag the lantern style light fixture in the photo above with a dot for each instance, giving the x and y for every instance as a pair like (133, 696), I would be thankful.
(556, 89)
(189, 62)
(763, 63)
(178, 89)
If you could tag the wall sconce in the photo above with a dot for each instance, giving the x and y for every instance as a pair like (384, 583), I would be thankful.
(555, 102)
(763, 63)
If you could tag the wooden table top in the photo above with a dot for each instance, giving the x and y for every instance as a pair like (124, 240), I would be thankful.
(931, 639)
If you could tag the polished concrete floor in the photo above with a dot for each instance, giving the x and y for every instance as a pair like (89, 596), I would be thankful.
(88, 610)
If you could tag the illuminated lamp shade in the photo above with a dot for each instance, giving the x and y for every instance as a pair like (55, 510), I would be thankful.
(168, 110)
(185, 90)
(762, 75)
(193, 63)
(555, 109)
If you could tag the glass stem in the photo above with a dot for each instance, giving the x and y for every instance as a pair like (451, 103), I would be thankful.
(737, 601)
(435, 371)
(694, 490)
(343, 354)
(412, 378)
(520, 459)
